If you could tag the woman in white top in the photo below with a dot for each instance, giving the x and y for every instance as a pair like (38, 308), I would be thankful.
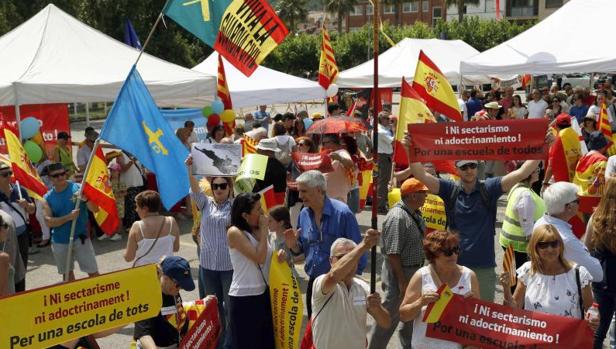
(441, 249)
(250, 314)
(154, 236)
(517, 109)
(548, 282)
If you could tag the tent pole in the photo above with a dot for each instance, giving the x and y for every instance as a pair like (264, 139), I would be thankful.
(17, 112)
(87, 114)
(375, 135)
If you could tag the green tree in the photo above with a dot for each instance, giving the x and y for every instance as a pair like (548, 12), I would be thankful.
(340, 8)
(460, 5)
(292, 11)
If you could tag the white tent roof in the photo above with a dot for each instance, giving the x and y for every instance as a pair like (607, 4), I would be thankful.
(401, 60)
(565, 42)
(264, 86)
(54, 58)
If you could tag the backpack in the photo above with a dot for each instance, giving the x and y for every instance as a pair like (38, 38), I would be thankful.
(451, 204)
(284, 155)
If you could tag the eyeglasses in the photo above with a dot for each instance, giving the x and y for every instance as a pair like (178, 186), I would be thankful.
(450, 251)
(221, 186)
(542, 245)
(6, 174)
(56, 175)
(467, 166)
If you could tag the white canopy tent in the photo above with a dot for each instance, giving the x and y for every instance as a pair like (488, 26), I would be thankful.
(264, 86)
(54, 58)
(401, 60)
(565, 42)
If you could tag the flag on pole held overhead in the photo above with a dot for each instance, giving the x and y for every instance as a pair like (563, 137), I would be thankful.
(328, 69)
(97, 189)
(222, 88)
(509, 264)
(244, 32)
(23, 170)
(434, 88)
(137, 126)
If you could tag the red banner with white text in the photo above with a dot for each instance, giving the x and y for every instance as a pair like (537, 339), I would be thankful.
(479, 140)
(54, 118)
(474, 322)
(312, 161)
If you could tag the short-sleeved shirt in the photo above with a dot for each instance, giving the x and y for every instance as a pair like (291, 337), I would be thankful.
(473, 105)
(342, 322)
(403, 234)
(215, 219)
(536, 110)
(161, 327)
(10, 206)
(474, 222)
(62, 203)
(316, 241)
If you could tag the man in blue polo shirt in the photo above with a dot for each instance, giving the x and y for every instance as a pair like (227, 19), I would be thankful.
(321, 222)
(472, 213)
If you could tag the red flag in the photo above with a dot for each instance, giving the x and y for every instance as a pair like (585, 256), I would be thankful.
(97, 188)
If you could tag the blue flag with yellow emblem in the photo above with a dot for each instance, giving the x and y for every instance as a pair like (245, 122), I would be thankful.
(137, 126)
(200, 17)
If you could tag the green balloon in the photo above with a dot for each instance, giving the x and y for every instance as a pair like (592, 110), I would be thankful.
(207, 111)
(35, 153)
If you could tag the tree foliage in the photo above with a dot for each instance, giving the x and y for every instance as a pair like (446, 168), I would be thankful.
(292, 11)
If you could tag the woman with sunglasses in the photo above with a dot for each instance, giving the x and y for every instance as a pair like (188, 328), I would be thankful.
(549, 283)
(441, 250)
(216, 270)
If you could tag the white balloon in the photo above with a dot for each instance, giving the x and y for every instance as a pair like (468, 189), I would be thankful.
(332, 90)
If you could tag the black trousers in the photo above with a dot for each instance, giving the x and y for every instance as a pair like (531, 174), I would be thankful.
(309, 296)
(250, 321)
(23, 244)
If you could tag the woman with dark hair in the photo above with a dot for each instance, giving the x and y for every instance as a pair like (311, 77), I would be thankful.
(601, 241)
(279, 221)
(517, 109)
(154, 236)
(218, 133)
(250, 313)
(441, 249)
(299, 128)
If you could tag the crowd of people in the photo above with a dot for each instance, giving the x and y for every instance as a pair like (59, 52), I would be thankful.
(559, 271)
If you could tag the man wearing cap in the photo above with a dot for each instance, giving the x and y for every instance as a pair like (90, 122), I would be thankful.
(15, 201)
(63, 153)
(537, 106)
(160, 331)
(403, 233)
(386, 150)
(60, 212)
(471, 206)
(489, 112)
(275, 172)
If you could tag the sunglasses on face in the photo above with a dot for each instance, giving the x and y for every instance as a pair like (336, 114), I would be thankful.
(467, 166)
(221, 186)
(6, 174)
(56, 175)
(542, 245)
(450, 251)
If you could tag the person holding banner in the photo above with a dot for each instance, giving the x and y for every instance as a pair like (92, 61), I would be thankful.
(59, 214)
(250, 311)
(442, 250)
(549, 282)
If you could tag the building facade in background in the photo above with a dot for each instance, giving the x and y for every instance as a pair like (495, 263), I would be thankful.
(515, 10)
(406, 13)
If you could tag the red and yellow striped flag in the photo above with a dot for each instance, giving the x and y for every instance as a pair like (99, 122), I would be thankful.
(270, 199)
(604, 123)
(435, 310)
(509, 264)
(97, 188)
(328, 69)
(435, 89)
(590, 177)
(23, 170)
(249, 146)
(223, 88)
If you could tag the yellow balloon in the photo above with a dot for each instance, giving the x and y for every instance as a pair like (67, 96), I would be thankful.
(38, 138)
(227, 116)
(393, 197)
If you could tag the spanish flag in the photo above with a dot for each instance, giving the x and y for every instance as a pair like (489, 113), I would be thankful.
(249, 145)
(328, 70)
(97, 188)
(23, 171)
(435, 310)
(590, 177)
(434, 88)
(564, 155)
(270, 199)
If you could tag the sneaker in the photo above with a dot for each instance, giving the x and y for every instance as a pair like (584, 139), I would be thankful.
(116, 237)
(103, 237)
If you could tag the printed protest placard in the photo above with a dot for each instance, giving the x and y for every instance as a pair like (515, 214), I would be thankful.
(474, 322)
(312, 161)
(52, 315)
(204, 324)
(253, 167)
(433, 213)
(287, 307)
(479, 140)
(210, 159)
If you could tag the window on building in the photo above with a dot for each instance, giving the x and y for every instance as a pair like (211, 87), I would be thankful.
(523, 8)
(410, 6)
(425, 5)
(389, 9)
(553, 3)
(436, 15)
(369, 10)
(358, 10)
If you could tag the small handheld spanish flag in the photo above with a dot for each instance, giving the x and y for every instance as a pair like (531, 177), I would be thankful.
(435, 310)
(509, 264)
